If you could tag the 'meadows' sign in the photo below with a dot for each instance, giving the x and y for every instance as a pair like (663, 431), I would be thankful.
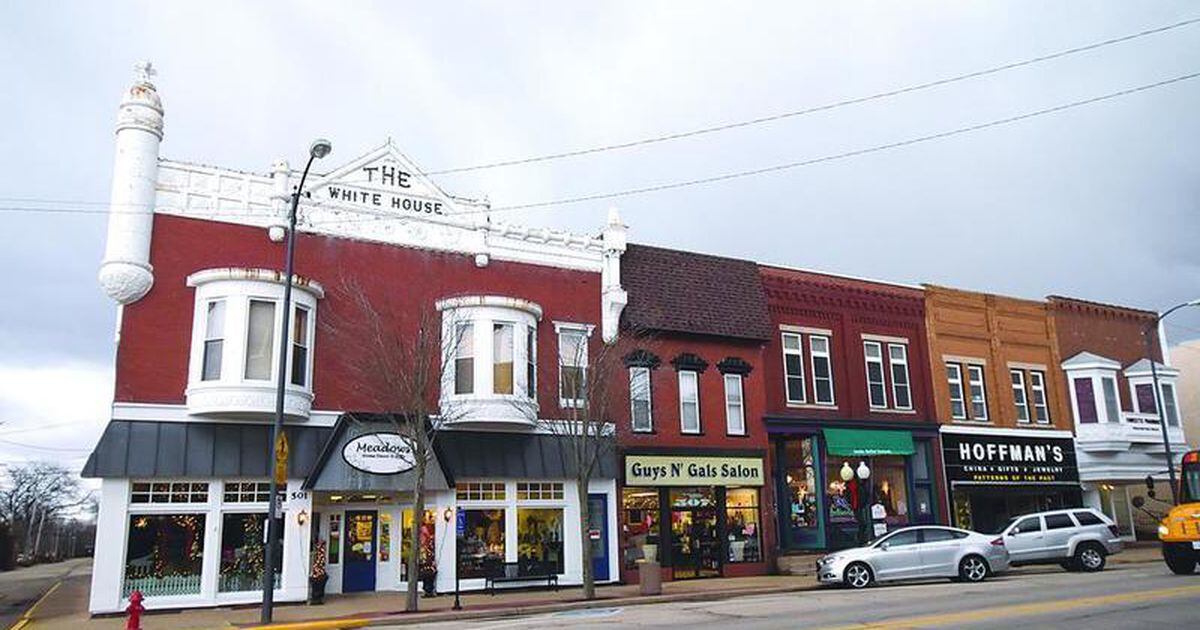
(379, 453)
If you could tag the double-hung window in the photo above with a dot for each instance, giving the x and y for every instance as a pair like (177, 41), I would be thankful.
(503, 338)
(735, 413)
(531, 362)
(300, 346)
(1168, 403)
(260, 340)
(978, 393)
(572, 366)
(1019, 398)
(214, 340)
(876, 389)
(968, 394)
(1111, 406)
(689, 401)
(639, 399)
(464, 358)
(898, 360)
(822, 366)
(1037, 390)
(958, 401)
(793, 367)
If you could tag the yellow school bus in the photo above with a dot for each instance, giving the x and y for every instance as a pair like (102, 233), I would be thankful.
(1179, 530)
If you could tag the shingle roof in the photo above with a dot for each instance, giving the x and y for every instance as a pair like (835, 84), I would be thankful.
(677, 291)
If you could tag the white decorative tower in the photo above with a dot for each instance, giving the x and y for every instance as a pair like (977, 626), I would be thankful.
(612, 295)
(126, 274)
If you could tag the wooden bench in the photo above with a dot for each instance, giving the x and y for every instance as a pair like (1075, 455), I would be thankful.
(522, 571)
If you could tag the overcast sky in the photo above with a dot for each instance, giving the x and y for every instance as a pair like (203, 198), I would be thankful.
(1098, 202)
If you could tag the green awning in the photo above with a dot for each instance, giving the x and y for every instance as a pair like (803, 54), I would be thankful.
(864, 442)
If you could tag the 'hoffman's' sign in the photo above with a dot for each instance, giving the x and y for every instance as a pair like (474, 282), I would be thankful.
(1004, 459)
(672, 470)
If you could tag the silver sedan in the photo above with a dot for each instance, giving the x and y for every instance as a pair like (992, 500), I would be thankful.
(915, 553)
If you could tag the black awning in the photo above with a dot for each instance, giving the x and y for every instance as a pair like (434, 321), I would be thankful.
(488, 454)
(139, 448)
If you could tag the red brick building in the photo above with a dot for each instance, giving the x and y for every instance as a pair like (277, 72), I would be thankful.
(692, 445)
(853, 444)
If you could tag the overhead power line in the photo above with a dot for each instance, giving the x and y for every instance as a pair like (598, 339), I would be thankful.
(840, 156)
(817, 108)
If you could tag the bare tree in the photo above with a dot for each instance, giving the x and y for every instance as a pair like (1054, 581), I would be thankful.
(393, 356)
(592, 384)
(34, 495)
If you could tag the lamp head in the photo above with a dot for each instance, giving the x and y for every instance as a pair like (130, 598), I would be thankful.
(863, 471)
(320, 148)
(846, 473)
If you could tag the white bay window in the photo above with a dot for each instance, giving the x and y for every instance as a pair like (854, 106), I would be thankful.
(237, 328)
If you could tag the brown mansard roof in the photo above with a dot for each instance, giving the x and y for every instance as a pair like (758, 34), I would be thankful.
(677, 291)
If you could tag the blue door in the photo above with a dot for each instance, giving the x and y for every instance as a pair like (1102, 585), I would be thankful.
(598, 525)
(358, 555)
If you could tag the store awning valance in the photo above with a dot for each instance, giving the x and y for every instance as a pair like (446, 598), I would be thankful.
(865, 443)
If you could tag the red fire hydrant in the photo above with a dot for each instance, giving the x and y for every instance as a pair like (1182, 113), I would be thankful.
(135, 611)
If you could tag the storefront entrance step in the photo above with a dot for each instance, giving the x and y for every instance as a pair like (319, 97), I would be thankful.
(798, 564)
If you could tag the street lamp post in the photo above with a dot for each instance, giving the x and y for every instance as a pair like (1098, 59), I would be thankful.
(1158, 401)
(317, 150)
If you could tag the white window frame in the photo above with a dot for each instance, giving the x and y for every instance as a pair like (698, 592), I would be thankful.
(799, 353)
(585, 331)
(957, 382)
(515, 327)
(903, 362)
(292, 344)
(209, 305)
(464, 330)
(878, 360)
(1168, 401)
(828, 356)
(1112, 413)
(683, 399)
(1037, 385)
(1020, 395)
(272, 360)
(649, 428)
(735, 422)
(973, 369)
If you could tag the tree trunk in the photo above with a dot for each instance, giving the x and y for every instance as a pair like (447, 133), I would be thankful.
(414, 549)
(37, 541)
(589, 580)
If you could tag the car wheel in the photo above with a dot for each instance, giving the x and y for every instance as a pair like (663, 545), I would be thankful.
(858, 575)
(972, 569)
(1180, 559)
(1090, 557)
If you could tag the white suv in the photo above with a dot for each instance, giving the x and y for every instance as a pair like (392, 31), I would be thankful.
(1079, 539)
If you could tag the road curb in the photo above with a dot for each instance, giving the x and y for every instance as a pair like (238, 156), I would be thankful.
(27, 616)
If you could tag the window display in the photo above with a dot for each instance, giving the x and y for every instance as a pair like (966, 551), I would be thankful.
(800, 479)
(164, 554)
(243, 539)
(480, 542)
(640, 509)
(695, 544)
(742, 525)
(427, 561)
(890, 489)
(540, 536)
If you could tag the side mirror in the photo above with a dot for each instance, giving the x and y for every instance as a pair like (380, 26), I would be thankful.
(1139, 501)
(1149, 492)
(1150, 483)
(884, 546)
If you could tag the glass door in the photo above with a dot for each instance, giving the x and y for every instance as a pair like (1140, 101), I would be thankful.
(695, 538)
(358, 568)
(800, 485)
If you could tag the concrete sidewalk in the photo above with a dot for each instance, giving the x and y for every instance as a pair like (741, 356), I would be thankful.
(66, 607)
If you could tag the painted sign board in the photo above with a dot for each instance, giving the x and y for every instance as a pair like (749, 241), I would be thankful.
(682, 470)
(379, 453)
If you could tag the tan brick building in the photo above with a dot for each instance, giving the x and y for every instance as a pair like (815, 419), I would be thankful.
(1000, 399)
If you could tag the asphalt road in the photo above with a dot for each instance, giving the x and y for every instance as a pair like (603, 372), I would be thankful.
(1121, 597)
(19, 589)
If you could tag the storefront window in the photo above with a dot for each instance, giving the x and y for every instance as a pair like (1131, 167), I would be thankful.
(385, 537)
(164, 554)
(890, 489)
(640, 509)
(335, 538)
(427, 561)
(243, 539)
(742, 525)
(800, 480)
(540, 536)
(480, 542)
(841, 496)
